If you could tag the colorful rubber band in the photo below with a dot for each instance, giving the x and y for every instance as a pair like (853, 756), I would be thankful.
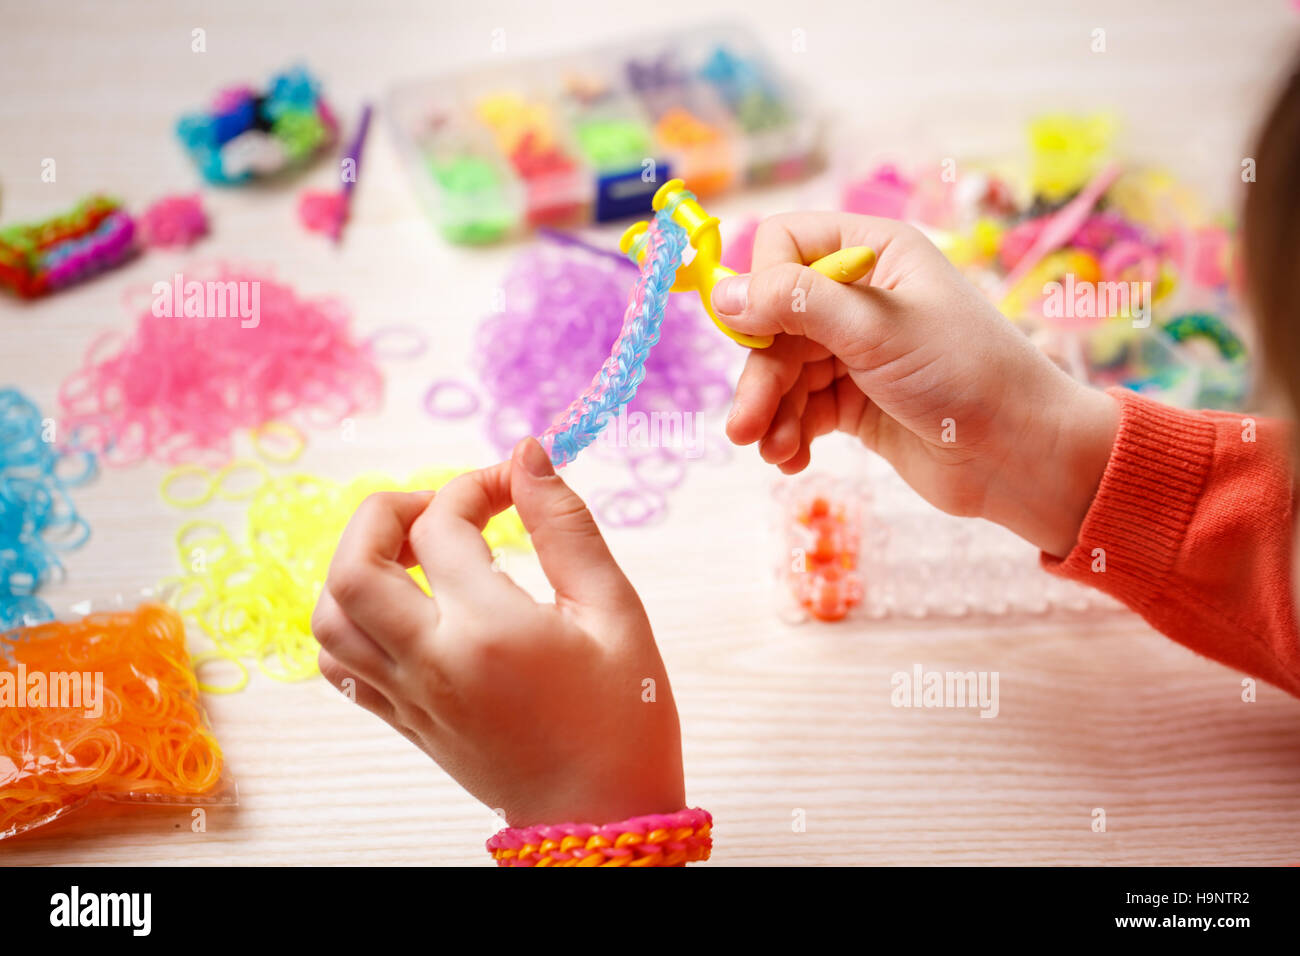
(467, 405)
(1209, 328)
(661, 470)
(629, 507)
(672, 839)
(417, 343)
(221, 487)
(261, 432)
(198, 661)
(181, 473)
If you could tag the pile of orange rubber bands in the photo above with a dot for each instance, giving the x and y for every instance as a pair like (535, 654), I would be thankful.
(105, 707)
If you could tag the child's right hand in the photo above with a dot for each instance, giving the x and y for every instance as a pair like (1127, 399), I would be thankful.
(915, 362)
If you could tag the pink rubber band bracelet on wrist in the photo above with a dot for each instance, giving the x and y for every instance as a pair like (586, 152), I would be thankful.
(657, 839)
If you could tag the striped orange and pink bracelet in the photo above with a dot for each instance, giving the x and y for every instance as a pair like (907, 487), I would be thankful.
(657, 839)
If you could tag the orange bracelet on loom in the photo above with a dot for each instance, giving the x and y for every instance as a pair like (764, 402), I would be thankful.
(657, 839)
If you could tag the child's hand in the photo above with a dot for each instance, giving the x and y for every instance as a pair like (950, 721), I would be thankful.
(917, 364)
(536, 709)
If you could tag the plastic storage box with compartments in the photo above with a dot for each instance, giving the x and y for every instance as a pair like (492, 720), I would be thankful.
(588, 137)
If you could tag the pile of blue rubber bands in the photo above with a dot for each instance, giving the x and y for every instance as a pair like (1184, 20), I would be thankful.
(38, 520)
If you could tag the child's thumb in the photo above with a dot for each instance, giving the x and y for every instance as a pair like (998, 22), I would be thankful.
(569, 546)
(798, 300)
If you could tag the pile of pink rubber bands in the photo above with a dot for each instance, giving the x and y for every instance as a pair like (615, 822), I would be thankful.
(213, 353)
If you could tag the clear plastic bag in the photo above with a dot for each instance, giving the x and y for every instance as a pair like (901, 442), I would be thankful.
(103, 707)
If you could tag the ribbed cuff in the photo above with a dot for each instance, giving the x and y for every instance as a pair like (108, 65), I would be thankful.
(1148, 494)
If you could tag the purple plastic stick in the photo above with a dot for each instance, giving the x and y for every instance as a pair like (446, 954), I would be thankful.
(354, 153)
(569, 239)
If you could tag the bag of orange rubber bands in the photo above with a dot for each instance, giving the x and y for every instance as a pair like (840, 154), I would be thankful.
(102, 708)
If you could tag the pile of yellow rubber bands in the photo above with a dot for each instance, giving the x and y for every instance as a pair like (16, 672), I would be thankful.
(254, 598)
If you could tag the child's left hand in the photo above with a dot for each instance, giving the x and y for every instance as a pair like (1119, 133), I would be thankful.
(536, 709)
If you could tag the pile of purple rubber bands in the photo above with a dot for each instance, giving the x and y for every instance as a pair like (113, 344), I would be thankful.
(564, 308)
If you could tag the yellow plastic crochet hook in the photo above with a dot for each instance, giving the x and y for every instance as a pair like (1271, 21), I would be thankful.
(847, 265)
(706, 270)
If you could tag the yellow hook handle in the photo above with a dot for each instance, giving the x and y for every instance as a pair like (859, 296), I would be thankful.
(706, 270)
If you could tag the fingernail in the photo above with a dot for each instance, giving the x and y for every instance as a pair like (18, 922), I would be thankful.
(731, 415)
(533, 458)
(731, 294)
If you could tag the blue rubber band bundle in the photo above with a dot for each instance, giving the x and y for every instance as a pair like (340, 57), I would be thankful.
(616, 383)
(37, 518)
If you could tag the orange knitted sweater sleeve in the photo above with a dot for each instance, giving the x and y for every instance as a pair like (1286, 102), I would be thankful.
(1192, 528)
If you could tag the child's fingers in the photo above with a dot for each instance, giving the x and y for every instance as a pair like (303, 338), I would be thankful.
(348, 683)
(783, 438)
(367, 577)
(782, 295)
(821, 413)
(348, 644)
(768, 374)
(799, 460)
(805, 237)
(820, 417)
(800, 237)
(448, 540)
(848, 410)
(569, 546)
(851, 321)
(762, 385)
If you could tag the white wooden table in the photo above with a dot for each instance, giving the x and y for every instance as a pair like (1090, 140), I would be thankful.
(1095, 712)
